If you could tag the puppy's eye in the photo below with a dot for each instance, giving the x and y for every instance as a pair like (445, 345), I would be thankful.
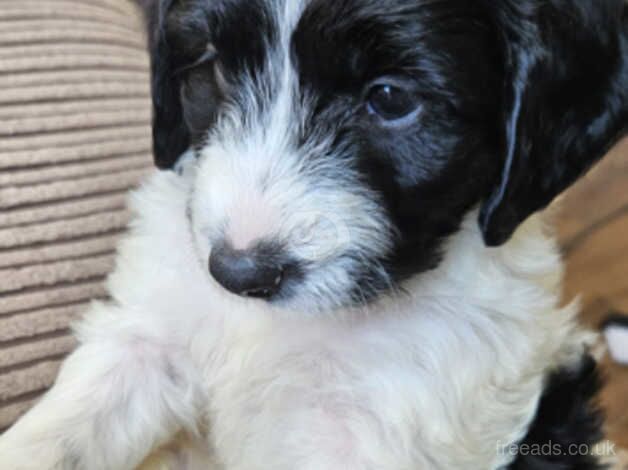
(391, 102)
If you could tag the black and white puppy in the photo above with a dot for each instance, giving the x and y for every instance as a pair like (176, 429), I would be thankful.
(348, 271)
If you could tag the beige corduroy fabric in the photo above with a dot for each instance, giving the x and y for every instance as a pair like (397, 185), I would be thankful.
(74, 137)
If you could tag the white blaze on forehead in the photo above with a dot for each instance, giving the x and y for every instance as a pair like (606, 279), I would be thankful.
(292, 11)
(283, 114)
(269, 156)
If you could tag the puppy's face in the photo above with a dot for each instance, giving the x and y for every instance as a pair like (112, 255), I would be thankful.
(340, 142)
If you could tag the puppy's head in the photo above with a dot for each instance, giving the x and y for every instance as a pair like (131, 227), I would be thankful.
(340, 142)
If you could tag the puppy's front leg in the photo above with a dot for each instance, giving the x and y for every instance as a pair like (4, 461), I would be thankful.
(123, 392)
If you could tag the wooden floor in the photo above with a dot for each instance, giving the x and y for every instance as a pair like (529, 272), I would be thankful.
(593, 228)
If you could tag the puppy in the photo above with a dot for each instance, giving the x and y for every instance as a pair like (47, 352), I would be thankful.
(348, 270)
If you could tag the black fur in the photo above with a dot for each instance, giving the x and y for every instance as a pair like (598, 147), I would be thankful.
(567, 419)
(566, 100)
(522, 68)
(170, 134)
(518, 97)
(185, 99)
(419, 169)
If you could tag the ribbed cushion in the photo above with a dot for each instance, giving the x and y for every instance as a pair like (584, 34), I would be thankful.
(74, 137)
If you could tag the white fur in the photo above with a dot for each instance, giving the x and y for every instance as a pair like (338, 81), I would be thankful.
(436, 378)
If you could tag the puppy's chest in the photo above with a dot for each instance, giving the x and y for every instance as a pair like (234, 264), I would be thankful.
(369, 400)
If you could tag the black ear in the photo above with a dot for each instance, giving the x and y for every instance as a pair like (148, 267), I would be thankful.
(565, 100)
(170, 134)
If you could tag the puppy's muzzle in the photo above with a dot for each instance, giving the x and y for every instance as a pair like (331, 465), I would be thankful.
(256, 272)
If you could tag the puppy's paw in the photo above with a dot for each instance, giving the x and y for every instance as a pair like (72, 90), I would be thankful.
(34, 459)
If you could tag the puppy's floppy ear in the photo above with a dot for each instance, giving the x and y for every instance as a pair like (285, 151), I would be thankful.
(565, 100)
(170, 134)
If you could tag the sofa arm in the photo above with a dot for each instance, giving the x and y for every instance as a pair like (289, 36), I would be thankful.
(74, 137)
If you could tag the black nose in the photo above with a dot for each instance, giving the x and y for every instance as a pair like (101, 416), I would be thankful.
(249, 273)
